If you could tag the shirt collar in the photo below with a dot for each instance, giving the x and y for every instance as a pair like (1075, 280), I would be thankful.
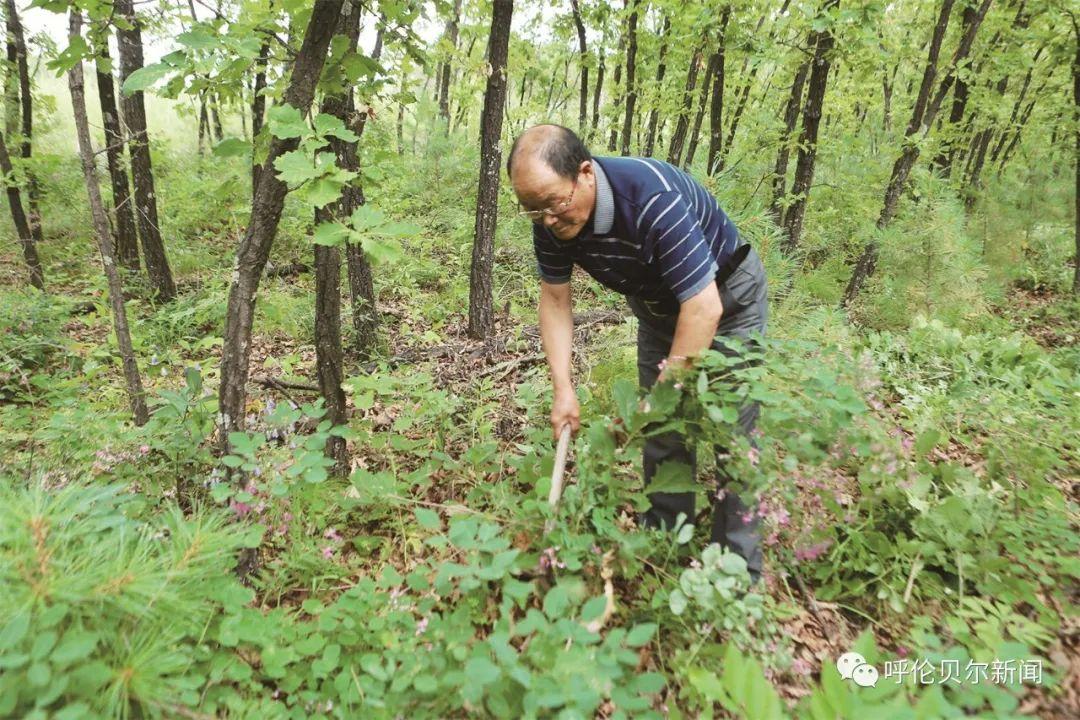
(604, 211)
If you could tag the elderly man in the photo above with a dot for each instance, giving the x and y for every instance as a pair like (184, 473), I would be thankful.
(649, 231)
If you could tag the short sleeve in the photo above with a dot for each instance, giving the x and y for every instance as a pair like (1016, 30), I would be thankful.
(553, 263)
(675, 241)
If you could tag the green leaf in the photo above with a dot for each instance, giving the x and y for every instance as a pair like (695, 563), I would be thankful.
(677, 602)
(672, 476)
(481, 670)
(144, 77)
(15, 630)
(380, 252)
(198, 38)
(428, 519)
(320, 192)
(285, 121)
(640, 634)
(76, 645)
(296, 167)
(330, 126)
(366, 217)
(332, 234)
(594, 608)
(232, 147)
(556, 602)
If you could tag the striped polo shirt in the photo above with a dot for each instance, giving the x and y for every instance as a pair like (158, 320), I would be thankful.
(655, 234)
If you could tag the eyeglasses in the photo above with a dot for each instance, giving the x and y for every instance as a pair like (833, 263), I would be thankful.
(558, 209)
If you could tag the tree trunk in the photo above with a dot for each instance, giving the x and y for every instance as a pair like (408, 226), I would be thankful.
(215, 117)
(583, 88)
(266, 208)
(703, 100)
(481, 321)
(822, 42)
(716, 109)
(678, 135)
(1076, 152)
(922, 118)
(361, 281)
(943, 161)
(22, 224)
(791, 116)
(127, 242)
(661, 69)
(129, 41)
(631, 71)
(258, 108)
(401, 106)
(613, 139)
(329, 359)
(26, 104)
(1017, 104)
(444, 78)
(136, 396)
(597, 90)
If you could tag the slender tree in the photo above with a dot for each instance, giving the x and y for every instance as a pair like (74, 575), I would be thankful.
(17, 48)
(136, 396)
(254, 248)
(631, 73)
(127, 241)
(791, 117)
(716, 109)
(444, 76)
(661, 70)
(922, 119)
(682, 124)
(1076, 150)
(703, 101)
(481, 320)
(129, 43)
(823, 42)
(583, 55)
(18, 217)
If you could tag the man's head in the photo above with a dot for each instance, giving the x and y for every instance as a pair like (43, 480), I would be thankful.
(551, 169)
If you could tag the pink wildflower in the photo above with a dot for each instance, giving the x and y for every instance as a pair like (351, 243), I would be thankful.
(813, 552)
(328, 552)
(332, 534)
(239, 509)
(421, 626)
(753, 456)
(144, 449)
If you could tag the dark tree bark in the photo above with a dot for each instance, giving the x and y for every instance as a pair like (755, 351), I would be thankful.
(944, 159)
(613, 139)
(716, 109)
(258, 107)
(136, 396)
(583, 87)
(791, 117)
(266, 208)
(444, 77)
(597, 90)
(18, 217)
(682, 125)
(1076, 151)
(127, 242)
(631, 71)
(703, 101)
(661, 69)
(215, 117)
(1016, 109)
(17, 42)
(481, 320)
(329, 359)
(361, 281)
(922, 118)
(129, 42)
(823, 43)
(401, 107)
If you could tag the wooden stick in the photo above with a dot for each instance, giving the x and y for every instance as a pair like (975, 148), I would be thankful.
(557, 473)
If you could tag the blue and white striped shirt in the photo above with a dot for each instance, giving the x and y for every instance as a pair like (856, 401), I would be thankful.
(655, 233)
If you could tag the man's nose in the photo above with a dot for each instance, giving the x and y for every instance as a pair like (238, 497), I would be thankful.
(549, 220)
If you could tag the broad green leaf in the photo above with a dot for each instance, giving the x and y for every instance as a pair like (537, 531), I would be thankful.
(320, 192)
(331, 234)
(640, 634)
(296, 167)
(232, 147)
(428, 519)
(144, 77)
(285, 121)
(672, 476)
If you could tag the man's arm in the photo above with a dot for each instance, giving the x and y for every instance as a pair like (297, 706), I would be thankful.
(557, 337)
(699, 317)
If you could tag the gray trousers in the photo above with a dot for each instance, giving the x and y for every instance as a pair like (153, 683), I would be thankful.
(745, 299)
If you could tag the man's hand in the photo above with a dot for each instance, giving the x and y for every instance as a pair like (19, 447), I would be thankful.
(565, 411)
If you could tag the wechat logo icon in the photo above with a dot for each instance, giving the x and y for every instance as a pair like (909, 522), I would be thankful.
(853, 666)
